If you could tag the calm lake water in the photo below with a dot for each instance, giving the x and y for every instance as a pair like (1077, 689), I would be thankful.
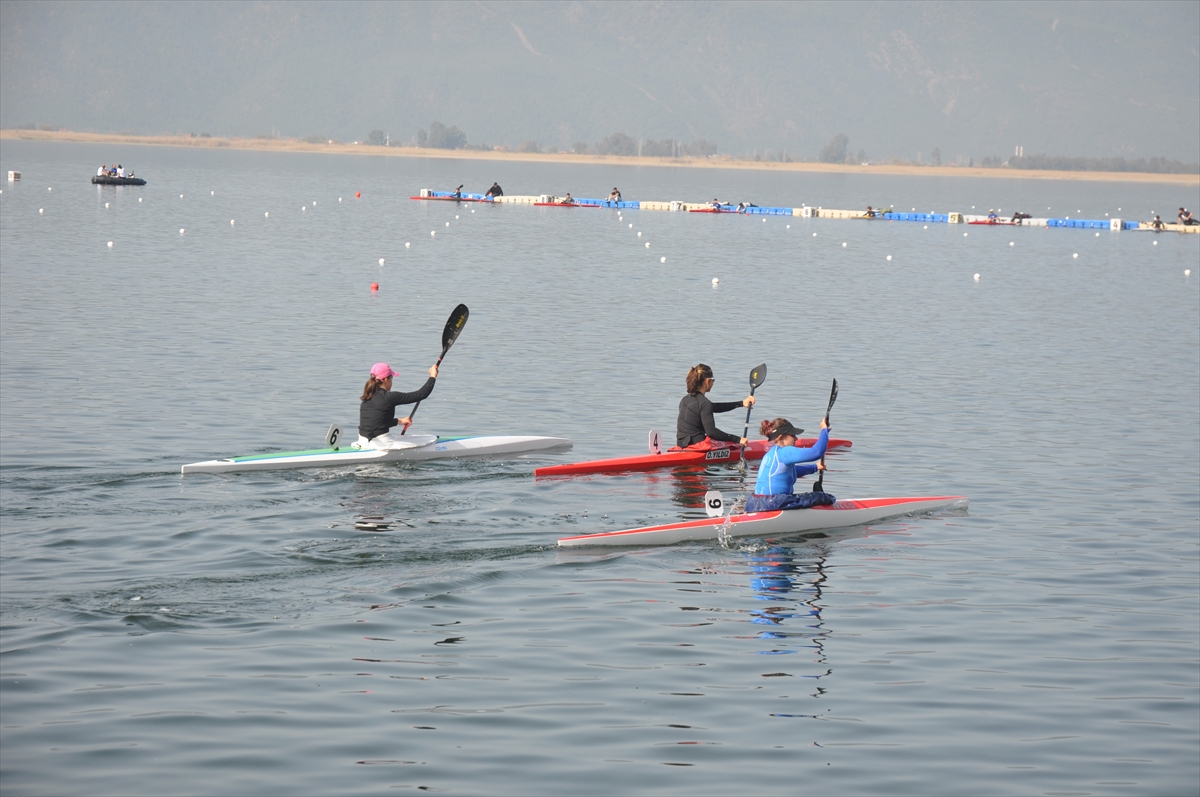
(236, 635)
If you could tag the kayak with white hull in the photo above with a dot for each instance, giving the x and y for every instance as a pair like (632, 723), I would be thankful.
(776, 523)
(415, 448)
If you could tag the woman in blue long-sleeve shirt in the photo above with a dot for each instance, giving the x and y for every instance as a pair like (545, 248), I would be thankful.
(782, 465)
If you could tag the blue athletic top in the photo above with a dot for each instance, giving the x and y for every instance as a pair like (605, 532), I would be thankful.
(782, 465)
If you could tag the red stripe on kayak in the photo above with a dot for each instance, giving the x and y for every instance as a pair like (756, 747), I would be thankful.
(870, 503)
(689, 524)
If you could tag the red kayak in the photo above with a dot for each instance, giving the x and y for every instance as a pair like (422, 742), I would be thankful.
(563, 205)
(706, 453)
(996, 223)
(714, 210)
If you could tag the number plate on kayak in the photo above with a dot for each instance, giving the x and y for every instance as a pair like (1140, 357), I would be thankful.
(718, 453)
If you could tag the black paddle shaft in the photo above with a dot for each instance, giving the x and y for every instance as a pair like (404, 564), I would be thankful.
(819, 485)
(757, 377)
(454, 326)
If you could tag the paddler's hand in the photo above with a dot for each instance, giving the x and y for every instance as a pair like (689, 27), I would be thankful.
(433, 369)
(405, 422)
(824, 424)
(745, 440)
(748, 401)
(821, 465)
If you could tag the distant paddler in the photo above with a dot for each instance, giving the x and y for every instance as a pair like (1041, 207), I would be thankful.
(567, 200)
(783, 464)
(695, 423)
(993, 216)
(457, 193)
(715, 204)
(615, 195)
(494, 191)
(376, 411)
(870, 214)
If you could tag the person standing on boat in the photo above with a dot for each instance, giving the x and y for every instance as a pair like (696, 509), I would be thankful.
(695, 423)
(376, 412)
(495, 191)
(783, 464)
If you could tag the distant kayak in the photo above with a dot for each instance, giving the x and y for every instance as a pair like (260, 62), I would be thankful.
(777, 523)
(715, 210)
(996, 223)
(415, 448)
(564, 205)
(101, 179)
(717, 454)
(452, 198)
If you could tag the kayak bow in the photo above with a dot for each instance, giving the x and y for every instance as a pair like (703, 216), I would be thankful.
(776, 523)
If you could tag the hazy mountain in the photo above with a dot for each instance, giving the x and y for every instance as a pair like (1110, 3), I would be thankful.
(898, 78)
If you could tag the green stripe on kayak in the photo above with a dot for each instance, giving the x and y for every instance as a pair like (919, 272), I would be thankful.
(316, 451)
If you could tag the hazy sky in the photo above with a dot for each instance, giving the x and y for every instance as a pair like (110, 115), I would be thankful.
(898, 78)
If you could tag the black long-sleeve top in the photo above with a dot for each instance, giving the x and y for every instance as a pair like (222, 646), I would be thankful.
(376, 415)
(696, 420)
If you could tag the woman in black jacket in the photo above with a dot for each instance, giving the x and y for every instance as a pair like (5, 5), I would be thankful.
(696, 411)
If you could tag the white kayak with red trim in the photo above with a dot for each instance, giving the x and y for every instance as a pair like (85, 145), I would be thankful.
(776, 523)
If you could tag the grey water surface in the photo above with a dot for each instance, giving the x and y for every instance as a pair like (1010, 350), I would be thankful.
(236, 634)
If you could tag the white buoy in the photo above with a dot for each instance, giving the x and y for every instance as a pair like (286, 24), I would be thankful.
(381, 261)
(302, 207)
(407, 245)
(1097, 235)
(456, 218)
(716, 282)
(647, 244)
(231, 221)
(105, 204)
(889, 257)
(964, 235)
(788, 227)
(433, 233)
(764, 221)
(314, 203)
(662, 260)
(843, 244)
(1076, 255)
(814, 235)
(1155, 243)
(267, 215)
(181, 231)
(639, 235)
(139, 199)
(1010, 243)
(339, 199)
(631, 225)
(926, 227)
(977, 278)
(472, 210)
(181, 196)
(447, 224)
(1187, 272)
(110, 244)
(43, 210)
(48, 188)
(212, 193)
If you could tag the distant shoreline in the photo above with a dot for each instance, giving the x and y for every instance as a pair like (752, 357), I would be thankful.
(285, 145)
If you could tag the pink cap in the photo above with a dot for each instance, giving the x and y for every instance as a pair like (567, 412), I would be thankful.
(382, 371)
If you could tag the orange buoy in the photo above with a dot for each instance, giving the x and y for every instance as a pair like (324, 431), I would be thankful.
(358, 194)
(374, 287)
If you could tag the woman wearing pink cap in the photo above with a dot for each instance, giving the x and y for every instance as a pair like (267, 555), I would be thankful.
(376, 413)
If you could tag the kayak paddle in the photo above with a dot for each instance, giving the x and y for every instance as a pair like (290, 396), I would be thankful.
(819, 485)
(757, 377)
(454, 325)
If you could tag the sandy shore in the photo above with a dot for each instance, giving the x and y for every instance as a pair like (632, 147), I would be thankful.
(285, 145)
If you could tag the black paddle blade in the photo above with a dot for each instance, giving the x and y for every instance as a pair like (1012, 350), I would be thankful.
(454, 325)
(832, 398)
(758, 376)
